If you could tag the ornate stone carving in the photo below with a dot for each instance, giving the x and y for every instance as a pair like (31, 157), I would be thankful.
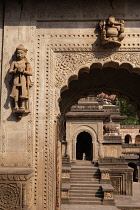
(68, 64)
(65, 194)
(21, 72)
(112, 32)
(105, 175)
(9, 196)
(108, 195)
(116, 182)
(66, 174)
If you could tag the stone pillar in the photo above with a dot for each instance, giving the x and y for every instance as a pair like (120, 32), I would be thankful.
(69, 149)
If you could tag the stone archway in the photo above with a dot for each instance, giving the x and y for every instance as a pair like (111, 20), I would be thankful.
(107, 79)
(128, 139)
(110, 78)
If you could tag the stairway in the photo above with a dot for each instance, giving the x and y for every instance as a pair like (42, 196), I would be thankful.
(84, 184)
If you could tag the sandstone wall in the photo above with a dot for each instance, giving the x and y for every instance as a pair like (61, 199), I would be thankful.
(61, 38)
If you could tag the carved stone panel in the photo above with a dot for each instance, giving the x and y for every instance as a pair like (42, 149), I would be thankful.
(10, 196)
(117, 183)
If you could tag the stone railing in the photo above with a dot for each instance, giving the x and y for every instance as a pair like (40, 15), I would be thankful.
(130, 149)
(130, 127)
(111, 110)
(125, 145)
(86, 107)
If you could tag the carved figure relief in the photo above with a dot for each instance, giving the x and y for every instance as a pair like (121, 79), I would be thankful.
(112, 32)
(21, 83)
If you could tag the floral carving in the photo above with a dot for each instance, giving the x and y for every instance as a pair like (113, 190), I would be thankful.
(9, 196)
(68, 64)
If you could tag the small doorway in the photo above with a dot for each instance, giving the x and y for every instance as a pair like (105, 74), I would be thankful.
(135, 172)
(84, 146)
(128, 139)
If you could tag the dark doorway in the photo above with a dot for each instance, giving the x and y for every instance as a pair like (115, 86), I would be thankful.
(135, 172)
(128, 139)
(84, 145)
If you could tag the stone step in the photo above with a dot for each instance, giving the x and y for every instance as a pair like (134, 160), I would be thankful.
(84, 168)
(85, 182)
(84, 172)
(85, 198)
(71, 201)
(84, 177)
(88, 194)
(84, 190)
(86, 185)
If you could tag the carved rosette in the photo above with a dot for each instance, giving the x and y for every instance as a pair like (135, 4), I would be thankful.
(9, 196)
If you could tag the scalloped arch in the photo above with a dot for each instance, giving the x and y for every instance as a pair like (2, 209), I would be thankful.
(77, 85)
(110, 64)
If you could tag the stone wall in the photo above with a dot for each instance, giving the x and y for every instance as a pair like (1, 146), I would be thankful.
(61, 38)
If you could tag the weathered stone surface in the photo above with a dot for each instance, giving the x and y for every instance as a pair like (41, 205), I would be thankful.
(63, 46)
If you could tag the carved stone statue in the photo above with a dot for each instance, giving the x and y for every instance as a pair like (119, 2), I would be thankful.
(112, 32)
(21, 71)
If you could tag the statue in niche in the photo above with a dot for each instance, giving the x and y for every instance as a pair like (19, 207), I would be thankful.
(112, 32)
(21, 72)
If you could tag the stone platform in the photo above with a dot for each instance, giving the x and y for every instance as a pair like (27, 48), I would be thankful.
(122, 202)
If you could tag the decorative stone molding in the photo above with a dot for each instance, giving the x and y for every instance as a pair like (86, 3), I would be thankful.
(64, 60)
(16, 188)
(69, 64)
(65, 194)
(105, 175)
(66, 174)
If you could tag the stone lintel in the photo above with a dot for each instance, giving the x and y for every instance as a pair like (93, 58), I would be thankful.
(16, 174)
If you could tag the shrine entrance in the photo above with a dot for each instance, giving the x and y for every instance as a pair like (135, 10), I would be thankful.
(84, 146)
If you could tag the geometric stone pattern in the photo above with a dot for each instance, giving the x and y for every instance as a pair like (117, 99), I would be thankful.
(116, 182)
(10, 196)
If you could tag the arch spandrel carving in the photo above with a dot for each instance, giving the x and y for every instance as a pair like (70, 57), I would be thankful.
(69, 63)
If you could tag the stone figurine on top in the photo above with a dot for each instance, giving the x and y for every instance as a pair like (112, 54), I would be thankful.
(112, 32)
(21, 72)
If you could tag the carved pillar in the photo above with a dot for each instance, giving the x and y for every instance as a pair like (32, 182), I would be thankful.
(24, 202)
(69, 149)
